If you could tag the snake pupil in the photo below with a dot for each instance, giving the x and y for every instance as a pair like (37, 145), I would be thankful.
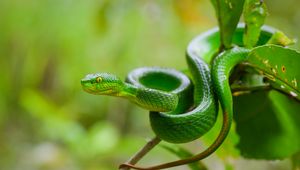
(98, 79)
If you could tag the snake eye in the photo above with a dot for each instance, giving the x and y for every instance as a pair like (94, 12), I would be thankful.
(98, 79)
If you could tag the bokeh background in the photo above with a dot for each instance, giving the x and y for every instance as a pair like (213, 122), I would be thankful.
(47, 122)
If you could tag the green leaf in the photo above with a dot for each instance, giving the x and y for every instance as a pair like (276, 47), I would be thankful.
(255, 12)
(279, 38)
(280, 65)
(183, 153)
(228, 13)
(268, 125)
(268, 122)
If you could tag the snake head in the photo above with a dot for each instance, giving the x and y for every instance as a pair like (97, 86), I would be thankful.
(102, 84)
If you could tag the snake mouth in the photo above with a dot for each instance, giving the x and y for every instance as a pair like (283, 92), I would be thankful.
(100, 92)
(108, 91)
(93, 90)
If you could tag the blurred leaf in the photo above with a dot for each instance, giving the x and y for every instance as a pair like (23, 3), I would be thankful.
(51, 120)
(255, 12)
(102, 138)
(268, 125)
(183, 153)
(228, 13)
(279, 38)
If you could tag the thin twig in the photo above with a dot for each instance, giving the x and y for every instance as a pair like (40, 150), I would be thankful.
(142, 152)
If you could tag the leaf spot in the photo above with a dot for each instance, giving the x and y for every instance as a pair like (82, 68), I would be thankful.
(283, 69)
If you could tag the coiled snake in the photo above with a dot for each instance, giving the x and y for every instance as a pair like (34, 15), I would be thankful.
(183, 108)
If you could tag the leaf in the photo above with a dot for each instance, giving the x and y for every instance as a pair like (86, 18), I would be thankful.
(280, 65)
(268, 122)
(279, 38)
(268, 125)
(228, 13)
(183, 153)
(255, 12)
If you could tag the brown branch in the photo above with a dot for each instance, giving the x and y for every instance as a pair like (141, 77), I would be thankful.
(142, 152)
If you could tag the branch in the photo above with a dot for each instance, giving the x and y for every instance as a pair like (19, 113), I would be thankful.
(142, 152)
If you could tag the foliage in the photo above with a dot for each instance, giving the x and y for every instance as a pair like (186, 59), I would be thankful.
(270, 62)
(255, 12)
(270, 117)
(228, 13)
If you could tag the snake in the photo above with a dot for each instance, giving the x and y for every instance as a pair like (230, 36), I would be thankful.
(183, 107)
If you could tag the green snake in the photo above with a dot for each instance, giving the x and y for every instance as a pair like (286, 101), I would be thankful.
(168, 93)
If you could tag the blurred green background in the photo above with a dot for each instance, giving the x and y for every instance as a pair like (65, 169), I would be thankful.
(47, 121)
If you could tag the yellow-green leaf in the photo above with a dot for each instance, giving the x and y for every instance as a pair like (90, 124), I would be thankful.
(228, 13)
(255, 12)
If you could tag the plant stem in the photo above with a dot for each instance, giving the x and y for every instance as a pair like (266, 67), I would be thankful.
(142, 152)
(296, 161)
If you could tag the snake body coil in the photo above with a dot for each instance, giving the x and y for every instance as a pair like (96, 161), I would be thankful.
(175, 126)
(167, 93)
